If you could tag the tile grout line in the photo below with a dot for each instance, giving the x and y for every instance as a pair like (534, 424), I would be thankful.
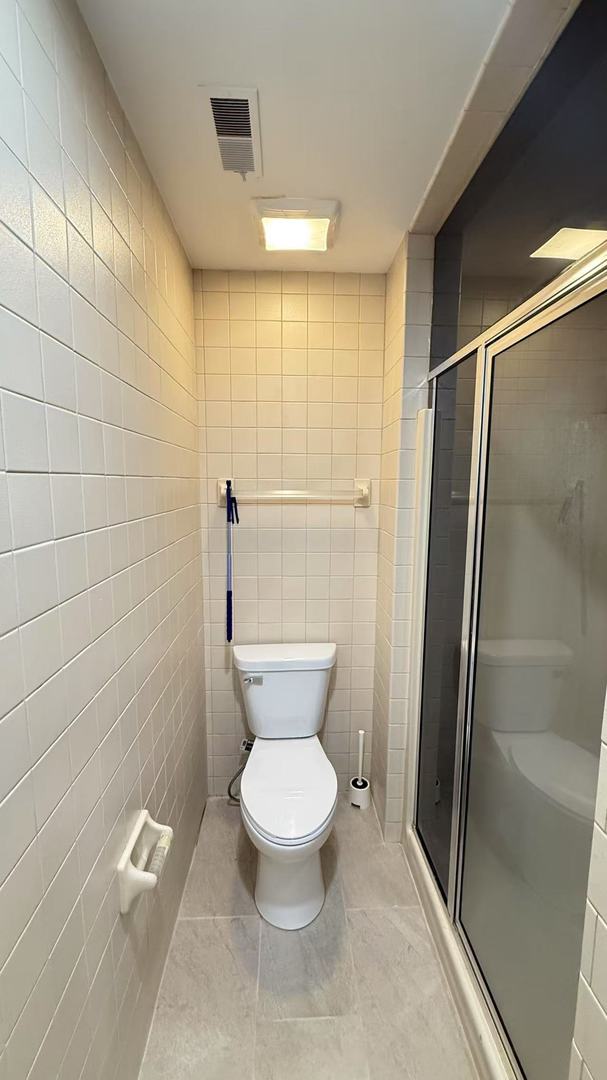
(257, 998)
(169, 950)
(449, 994)
(206, 918)
(310, 1019)
(385, 907)
(356, 992)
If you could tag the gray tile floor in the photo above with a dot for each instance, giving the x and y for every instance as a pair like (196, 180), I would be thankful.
(357, 995)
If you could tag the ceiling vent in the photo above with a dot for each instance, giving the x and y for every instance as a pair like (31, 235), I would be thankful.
(235, 116)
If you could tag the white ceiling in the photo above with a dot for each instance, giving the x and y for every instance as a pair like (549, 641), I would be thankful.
(358, 99)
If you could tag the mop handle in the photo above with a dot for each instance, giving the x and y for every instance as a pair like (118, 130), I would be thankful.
(231, 513)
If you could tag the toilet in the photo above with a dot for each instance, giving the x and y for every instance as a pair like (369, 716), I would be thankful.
(544, 784)
(288, 790)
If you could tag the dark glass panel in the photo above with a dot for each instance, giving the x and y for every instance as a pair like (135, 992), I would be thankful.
(444, 598)
(547, 170)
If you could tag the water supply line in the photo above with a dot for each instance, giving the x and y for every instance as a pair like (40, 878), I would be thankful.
(246, 746)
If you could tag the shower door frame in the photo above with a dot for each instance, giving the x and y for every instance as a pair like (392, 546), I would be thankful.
(584, 281)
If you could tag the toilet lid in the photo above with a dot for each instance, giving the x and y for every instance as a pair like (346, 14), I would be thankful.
(288, 787)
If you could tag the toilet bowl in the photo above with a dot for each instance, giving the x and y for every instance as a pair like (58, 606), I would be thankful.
(544, 783)
(288, 791)
(288, 797)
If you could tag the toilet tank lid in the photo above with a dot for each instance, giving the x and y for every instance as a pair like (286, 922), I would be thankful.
(523, 652)
(305, 657)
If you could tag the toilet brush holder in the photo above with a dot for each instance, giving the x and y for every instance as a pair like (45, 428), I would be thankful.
(360, 790)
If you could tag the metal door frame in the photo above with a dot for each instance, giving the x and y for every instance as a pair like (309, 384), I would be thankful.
(575, 287)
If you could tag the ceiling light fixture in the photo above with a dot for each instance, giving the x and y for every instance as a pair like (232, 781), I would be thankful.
(570, 244)
(296, 224)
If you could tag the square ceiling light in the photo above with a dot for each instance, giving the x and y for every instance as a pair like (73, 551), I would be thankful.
(296, 224)
(570, 244)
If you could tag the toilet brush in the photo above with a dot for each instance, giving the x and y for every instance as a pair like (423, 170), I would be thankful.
(360, 792)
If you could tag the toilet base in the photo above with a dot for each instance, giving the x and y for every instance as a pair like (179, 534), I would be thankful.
(289, 894)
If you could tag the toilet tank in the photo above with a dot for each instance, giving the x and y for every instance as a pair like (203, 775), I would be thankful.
(518, 682)
(284, 687)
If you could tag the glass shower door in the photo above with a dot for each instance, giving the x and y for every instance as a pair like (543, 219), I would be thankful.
(449, 506)
(539, 675)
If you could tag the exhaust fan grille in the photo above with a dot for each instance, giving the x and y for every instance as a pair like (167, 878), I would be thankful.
(236, 121)
(232, 116)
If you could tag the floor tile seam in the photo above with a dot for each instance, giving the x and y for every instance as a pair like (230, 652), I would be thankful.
(169, 951)
(403, 854)
(378, 822)
(357, 996)
(349, 938)
(208, 918)
(449, 1002)
(308, 1019)
(386, 907)
(339, 884)
(256, 1009)
(450, 999)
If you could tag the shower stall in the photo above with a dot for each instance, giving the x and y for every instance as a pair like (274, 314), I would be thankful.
(513, 668)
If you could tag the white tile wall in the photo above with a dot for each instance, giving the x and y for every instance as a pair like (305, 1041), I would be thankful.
(290, 368)
(589, 1052)
(408, 321)
(101, 658)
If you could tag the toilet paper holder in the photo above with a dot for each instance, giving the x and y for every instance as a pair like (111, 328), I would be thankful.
(147, 838)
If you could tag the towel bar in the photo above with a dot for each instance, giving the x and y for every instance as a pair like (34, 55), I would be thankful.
(358, 495)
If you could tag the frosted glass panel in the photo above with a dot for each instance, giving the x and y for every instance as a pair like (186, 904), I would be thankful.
(540, 682)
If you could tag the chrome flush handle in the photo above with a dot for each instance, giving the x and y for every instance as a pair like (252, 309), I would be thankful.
(253, 680)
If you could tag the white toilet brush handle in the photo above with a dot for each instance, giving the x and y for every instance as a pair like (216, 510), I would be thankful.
(361, 751)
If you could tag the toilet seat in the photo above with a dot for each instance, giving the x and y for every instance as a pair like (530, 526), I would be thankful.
(288, 790)
(275, 841)
(563, 771)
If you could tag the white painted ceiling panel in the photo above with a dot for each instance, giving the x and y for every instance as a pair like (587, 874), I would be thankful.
(357, 101)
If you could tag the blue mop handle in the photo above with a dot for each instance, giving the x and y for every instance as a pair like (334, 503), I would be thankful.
(231, 513)
(229, 615)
